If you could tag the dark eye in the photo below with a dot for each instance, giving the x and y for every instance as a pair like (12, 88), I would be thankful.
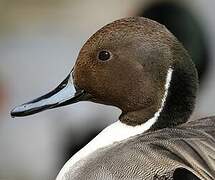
(104, 55)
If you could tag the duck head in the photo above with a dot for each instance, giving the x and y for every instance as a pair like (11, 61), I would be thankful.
(135, 64)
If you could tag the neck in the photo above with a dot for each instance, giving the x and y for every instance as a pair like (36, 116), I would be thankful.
(140, 114)
(180, 100)
(177, 103)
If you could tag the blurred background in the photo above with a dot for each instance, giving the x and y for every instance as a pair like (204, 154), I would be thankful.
(39, 43)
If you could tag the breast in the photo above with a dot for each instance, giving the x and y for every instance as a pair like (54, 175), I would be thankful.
(157, 154)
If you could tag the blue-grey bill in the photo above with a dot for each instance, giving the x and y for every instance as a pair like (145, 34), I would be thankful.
(66, 93)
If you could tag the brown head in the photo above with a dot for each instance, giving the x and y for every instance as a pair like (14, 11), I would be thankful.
(126, 64)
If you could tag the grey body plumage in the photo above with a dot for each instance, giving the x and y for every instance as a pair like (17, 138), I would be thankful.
(189, 148)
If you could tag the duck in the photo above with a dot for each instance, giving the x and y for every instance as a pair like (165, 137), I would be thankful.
(139, 66)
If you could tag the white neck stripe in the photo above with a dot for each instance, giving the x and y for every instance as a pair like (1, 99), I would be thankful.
(115, 132)
(167, 84)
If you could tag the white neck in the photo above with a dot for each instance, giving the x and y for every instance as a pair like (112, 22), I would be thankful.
(116, 132)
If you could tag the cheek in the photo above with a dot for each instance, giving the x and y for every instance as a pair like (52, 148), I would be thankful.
(87, 79)
(80, 77)
(101, 84)
(83, 73)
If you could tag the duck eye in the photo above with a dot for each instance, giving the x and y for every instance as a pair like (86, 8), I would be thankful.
(104, 55)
